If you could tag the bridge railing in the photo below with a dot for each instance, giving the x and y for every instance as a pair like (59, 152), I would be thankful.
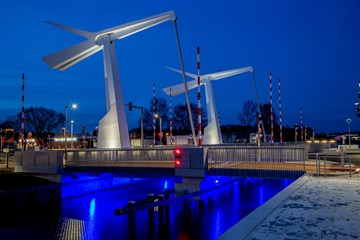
(134, 157)
(277, 161)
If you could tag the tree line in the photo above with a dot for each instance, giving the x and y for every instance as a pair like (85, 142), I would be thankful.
(40, 121)
(44, 123)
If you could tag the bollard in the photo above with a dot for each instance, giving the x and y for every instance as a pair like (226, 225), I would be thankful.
(161, 197)
(131, 221)
(201, 205)
(151, 222)
(186, 203)
(151, 209)
(167, 206)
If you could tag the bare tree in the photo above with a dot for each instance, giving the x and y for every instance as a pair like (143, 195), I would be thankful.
(248, 115)
(181, 117)
(161, 108)
(38, 120)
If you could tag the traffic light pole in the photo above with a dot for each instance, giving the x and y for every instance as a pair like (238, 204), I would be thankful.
(131, 106)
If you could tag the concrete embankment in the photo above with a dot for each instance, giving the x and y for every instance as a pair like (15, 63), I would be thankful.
(310, 208)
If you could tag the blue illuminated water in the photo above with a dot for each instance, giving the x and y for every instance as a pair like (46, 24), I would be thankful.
(86, 210)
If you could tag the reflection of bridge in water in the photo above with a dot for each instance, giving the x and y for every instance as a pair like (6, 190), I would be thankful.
(220, 160)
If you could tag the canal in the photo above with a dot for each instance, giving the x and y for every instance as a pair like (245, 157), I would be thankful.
(87, 204)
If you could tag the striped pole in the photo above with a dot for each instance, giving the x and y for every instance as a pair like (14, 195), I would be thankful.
(171, 140)
(301, 126)
(271, 112)
(280, 113)
(199, 96)
(154, 112)
(23, 114)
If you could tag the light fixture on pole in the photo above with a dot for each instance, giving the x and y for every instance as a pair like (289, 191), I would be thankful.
(71, 133)
(72, 106)
(295, 129)
(348, 122)
(313, 134)
(158, 116)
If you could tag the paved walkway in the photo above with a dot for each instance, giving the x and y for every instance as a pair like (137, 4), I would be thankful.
(310, 208)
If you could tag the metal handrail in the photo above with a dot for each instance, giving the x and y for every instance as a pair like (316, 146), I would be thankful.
(325, 156)
(264, 158)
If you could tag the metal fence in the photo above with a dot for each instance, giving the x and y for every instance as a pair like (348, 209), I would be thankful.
(264, 161)
(331, 162)
(135, 157)
(237, 160)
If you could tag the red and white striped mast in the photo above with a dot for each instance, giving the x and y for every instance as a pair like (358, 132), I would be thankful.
(170, 118)
(199, 96)
(271, 112)
(280, 113)
(23, 114)
(154, 112)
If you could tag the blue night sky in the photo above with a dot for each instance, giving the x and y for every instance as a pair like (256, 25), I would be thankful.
(313, 46)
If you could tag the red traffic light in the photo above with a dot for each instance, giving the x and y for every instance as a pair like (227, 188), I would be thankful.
(177, 163)
(177, 152)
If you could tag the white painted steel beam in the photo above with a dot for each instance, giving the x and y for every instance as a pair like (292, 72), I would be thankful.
(212, 132)
(113, 130)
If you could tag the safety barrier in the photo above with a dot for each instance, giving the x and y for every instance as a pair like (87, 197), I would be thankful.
(221, 160)
(327, 164)
(130, 158)
(264, 161)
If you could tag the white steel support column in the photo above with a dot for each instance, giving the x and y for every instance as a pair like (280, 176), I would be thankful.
(113, 130)
(212, 132)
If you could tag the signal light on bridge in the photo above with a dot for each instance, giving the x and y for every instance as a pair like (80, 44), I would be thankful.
(177, 163)
(177, 153)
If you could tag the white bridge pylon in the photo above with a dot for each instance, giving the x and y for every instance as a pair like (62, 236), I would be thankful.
(212, 132)
(113, 129)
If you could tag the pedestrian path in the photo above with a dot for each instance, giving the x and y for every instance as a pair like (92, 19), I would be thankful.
(310, 208)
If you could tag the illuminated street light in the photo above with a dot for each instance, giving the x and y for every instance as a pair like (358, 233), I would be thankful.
(158, 116)
(348, 122)
(71, 133)
(313, 134)
(72, 106)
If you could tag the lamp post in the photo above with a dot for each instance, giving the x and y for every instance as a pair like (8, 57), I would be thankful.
(348, 122)
(158, 116)
(295, 128)
(71, 133)
(72, 106)
(313, 134)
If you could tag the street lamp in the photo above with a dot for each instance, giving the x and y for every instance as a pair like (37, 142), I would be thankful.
(71, 133)
(313, 134)
(72, 106)
(158, 116)
(348, 122)
(295, 128)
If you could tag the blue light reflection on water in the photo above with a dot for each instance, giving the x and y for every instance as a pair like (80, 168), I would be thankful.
(230, 203)
(92, 208)
(92, 211)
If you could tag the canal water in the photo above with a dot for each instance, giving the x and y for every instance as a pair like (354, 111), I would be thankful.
(87, 205)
